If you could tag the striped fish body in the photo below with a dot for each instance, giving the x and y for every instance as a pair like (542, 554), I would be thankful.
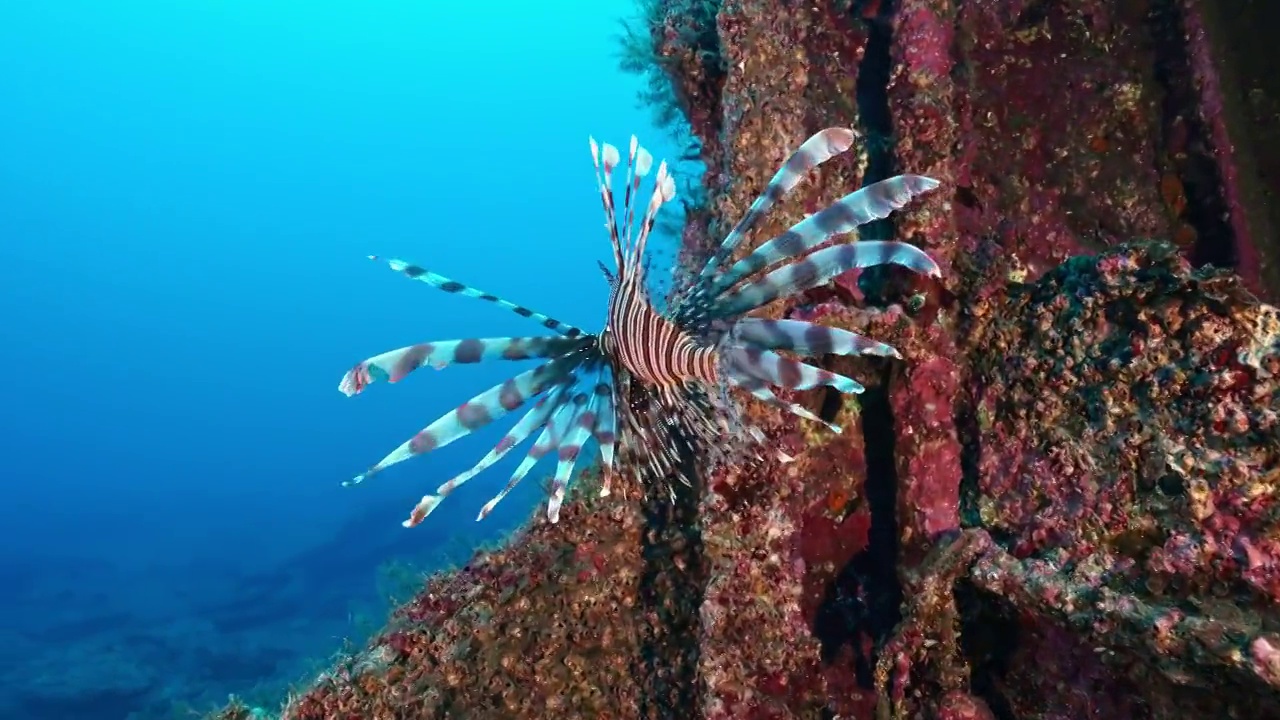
(649, 345)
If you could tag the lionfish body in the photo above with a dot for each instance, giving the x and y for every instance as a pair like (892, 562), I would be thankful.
(657, 384)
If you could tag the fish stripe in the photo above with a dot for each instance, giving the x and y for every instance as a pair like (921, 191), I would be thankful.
(651, 346)
(647, 344)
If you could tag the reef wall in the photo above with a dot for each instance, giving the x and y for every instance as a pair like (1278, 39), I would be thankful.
(1061, 504)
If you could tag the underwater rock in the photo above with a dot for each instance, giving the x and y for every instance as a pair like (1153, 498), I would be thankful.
(1127, 462)
(1062, 502)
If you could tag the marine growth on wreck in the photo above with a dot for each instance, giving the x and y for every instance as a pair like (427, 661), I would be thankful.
(1009, 452)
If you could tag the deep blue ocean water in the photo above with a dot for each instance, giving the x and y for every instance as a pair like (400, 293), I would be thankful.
(188, 192)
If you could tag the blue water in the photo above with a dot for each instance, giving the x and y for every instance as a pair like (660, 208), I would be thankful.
(188, 192)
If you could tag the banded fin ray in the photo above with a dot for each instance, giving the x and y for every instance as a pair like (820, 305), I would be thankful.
(758, 389)
(421, 274)
(477, 412)
(606, 159)
(663, 191)
(873, 202)
(528, 424)
(808, 339)
(743, 363)
(819, 148)
(606, 434)
(553, 434)
(394, 365)
(818, 268)
(567, 454)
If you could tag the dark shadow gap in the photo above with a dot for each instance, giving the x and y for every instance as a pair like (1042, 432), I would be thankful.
(671, 591)
(1189, 141)
(879, 436)
(883, 590)
(881, 284)
(988, 639)
(862, 605)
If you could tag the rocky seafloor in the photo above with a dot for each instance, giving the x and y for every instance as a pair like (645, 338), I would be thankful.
(1061, 504)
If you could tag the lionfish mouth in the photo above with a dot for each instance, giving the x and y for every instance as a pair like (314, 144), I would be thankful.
(654, 384)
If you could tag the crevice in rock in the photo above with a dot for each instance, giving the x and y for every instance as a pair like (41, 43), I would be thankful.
(988, 639)
(671, 590)
(965, 415)
(863, 602)
(882, 284)
(1246, 59)
(1187, 140)
(881, 488)
(875, 120)
(832, 403)
(1033, 13)
(969, 433)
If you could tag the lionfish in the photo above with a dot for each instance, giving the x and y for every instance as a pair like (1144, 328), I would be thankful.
(658, 383)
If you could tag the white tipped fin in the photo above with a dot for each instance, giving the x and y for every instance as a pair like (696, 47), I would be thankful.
(611, 156)
(644, 161)
(553, 506)
(828, 143)
(668, 187)
(422, 509)
(356, 480)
